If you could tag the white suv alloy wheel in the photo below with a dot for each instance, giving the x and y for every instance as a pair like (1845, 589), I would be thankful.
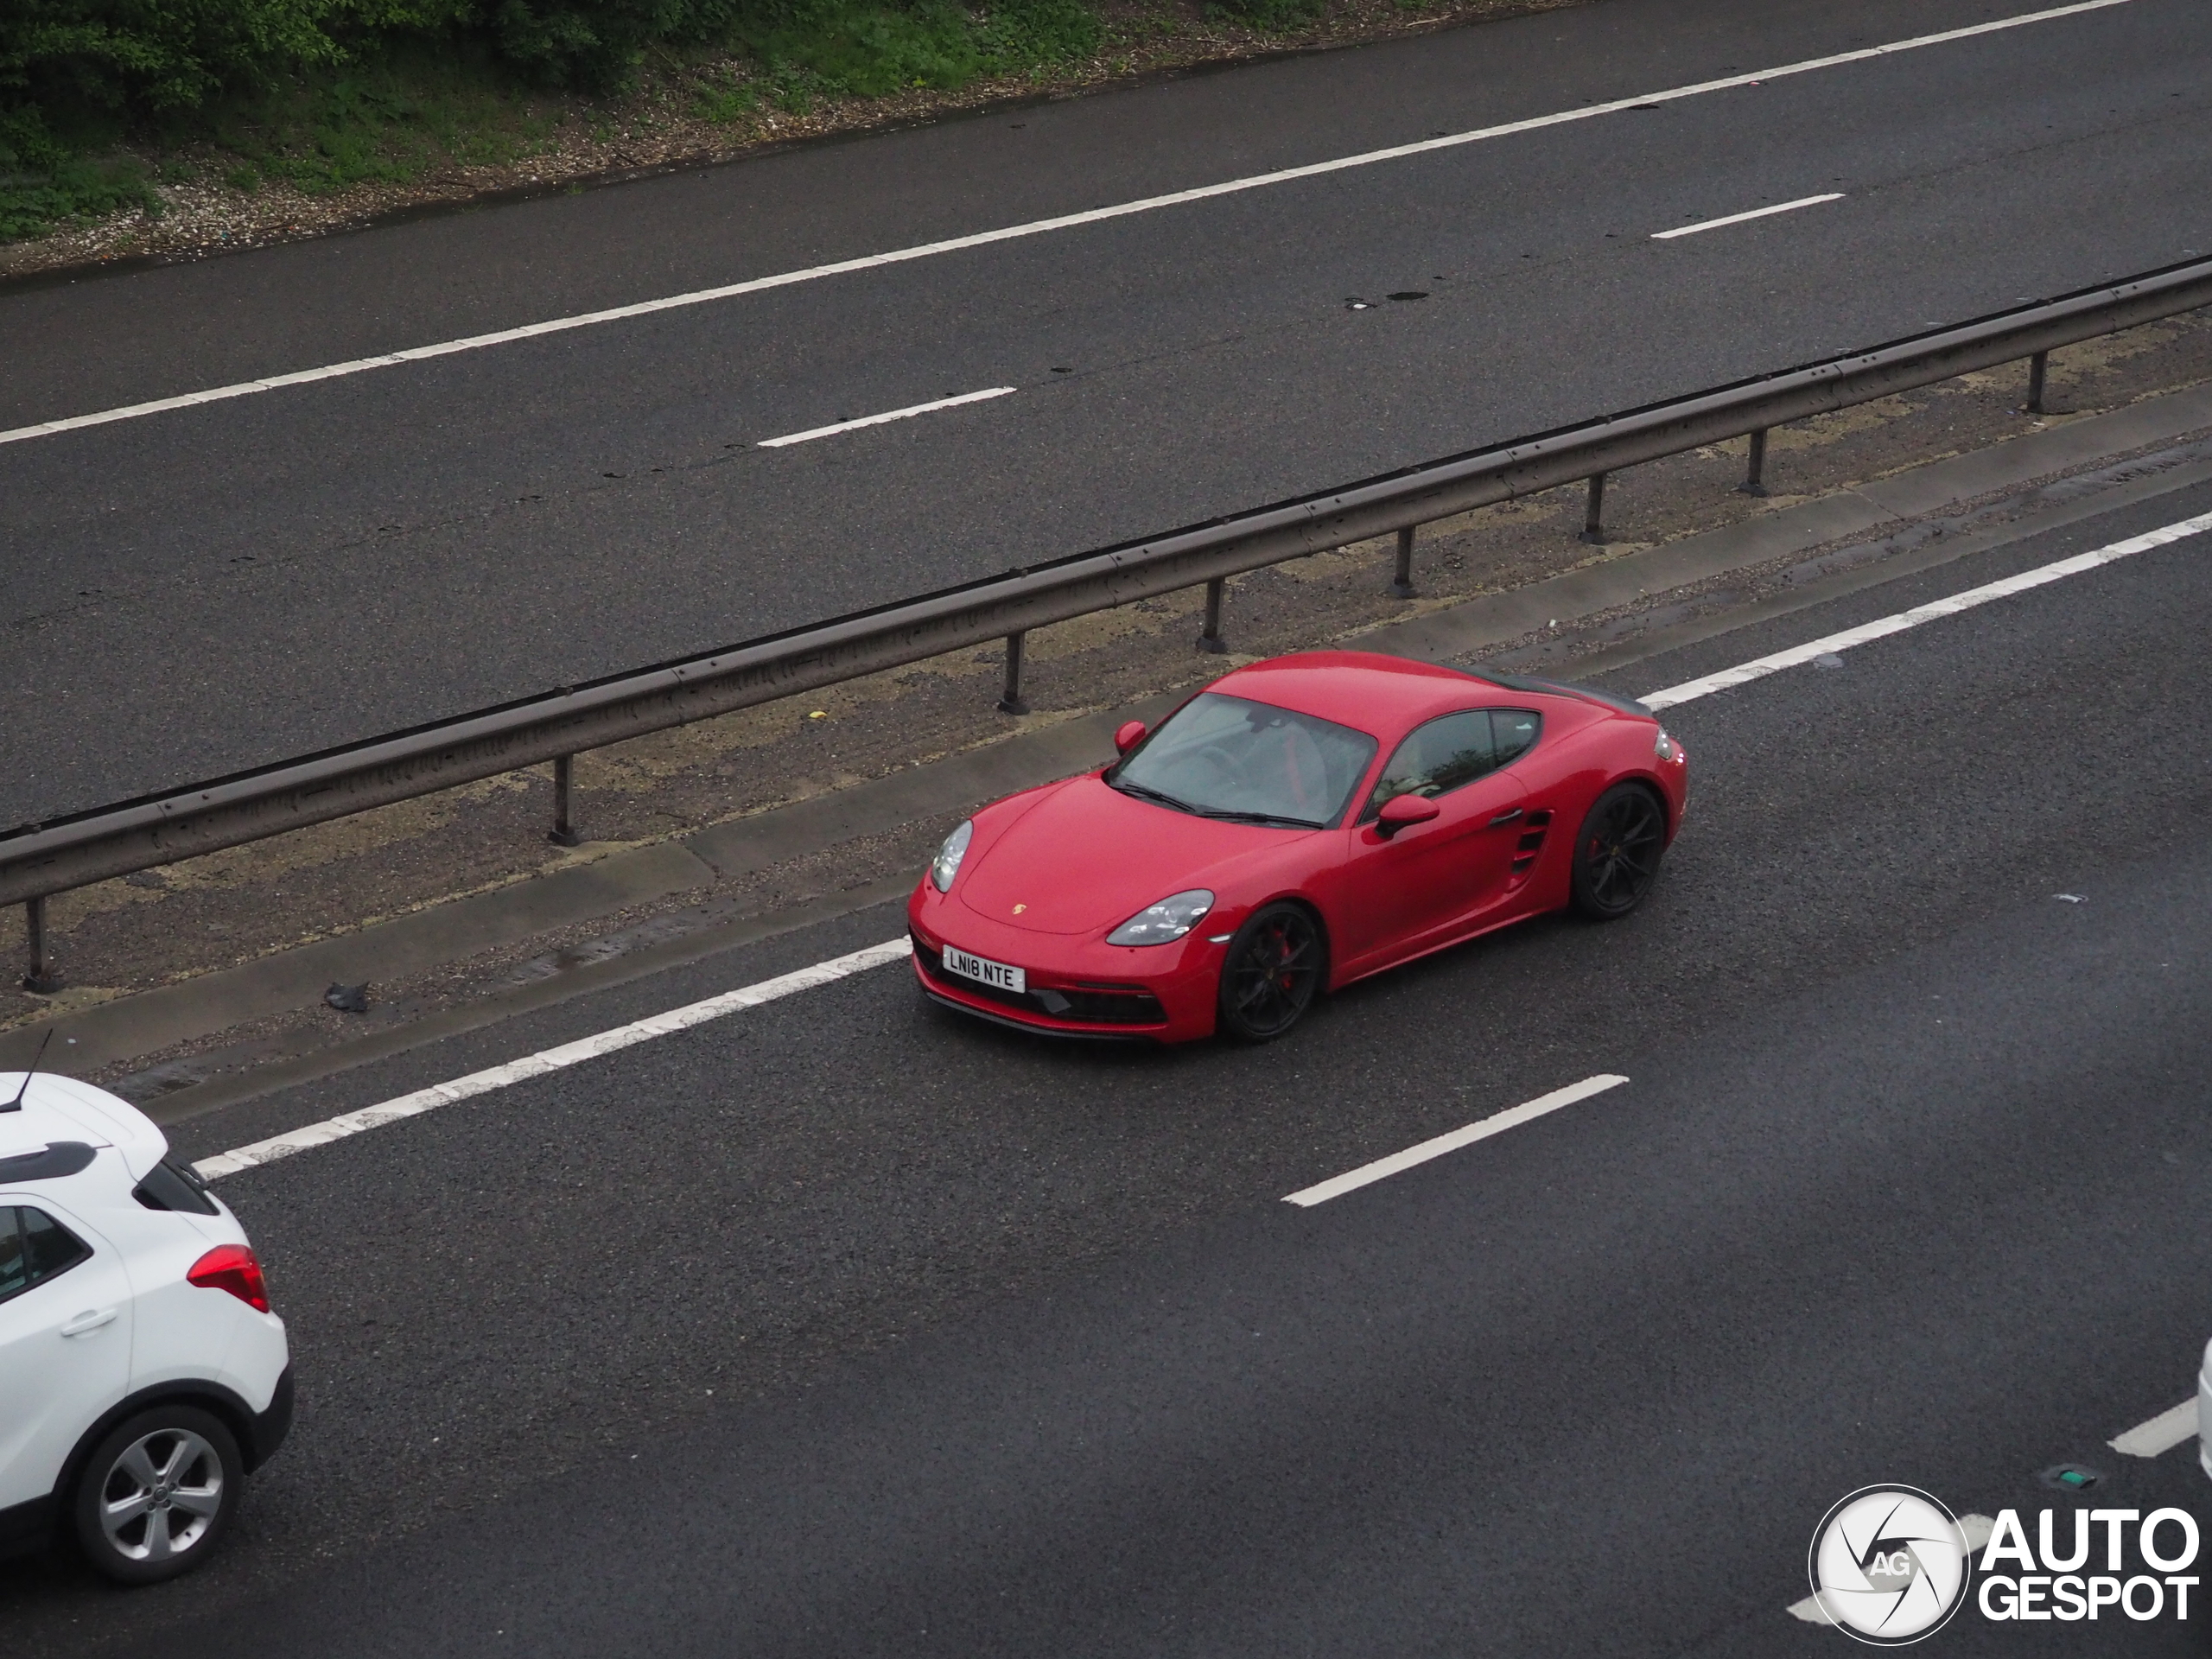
(157, 1493)
(161, 1495)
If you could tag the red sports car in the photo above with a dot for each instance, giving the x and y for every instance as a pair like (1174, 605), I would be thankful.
(1298, 824)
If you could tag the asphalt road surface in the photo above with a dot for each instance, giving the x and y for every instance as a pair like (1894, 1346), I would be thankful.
(209, 588)
(844, 1325)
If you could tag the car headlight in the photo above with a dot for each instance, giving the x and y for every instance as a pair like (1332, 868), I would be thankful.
(1164, 921)
(946, 864)
(1666, 748)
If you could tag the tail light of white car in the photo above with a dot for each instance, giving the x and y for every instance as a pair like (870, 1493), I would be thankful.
(231, 1268)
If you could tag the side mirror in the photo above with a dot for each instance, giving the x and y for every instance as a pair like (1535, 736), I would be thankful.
(1400, 811)
(1129, 736)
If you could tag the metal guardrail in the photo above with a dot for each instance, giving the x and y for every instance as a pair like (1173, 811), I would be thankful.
(39, 860)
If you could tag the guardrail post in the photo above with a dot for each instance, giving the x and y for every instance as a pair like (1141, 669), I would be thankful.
(1755, 476)
(1402, 583)
(1010, 702)
(1210, 637)
(563, 833)
(42, 978)
(1593, 516)
(2037, 366)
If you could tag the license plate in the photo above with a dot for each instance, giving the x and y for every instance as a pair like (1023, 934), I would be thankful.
(959, 962)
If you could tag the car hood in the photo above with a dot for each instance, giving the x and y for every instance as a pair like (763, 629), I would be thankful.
(1086, 857)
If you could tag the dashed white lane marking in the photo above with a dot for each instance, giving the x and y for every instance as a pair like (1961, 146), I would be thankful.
(907, 413)
(1033, 227)
(1382, 1168)
(1977, 1528)
(1744, 673)
(552, 1059)
(1737, 218)
(2161, 1435)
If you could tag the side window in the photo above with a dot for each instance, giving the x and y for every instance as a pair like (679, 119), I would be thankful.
(1515, 732)
(33, 1247)
(1436, 758)
(14, 1274)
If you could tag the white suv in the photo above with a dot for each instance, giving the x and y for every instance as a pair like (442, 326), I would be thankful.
(142, 1373)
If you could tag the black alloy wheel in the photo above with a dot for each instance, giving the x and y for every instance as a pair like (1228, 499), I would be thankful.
(1272, 973)
(1617, 854)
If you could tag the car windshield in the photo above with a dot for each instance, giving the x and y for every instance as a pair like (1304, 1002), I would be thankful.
(1225, 757)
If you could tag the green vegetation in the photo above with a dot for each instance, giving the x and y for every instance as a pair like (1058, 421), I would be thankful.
(389, 118)
(856, 48)
(327, 94)
(43, 184)
(1278, 15)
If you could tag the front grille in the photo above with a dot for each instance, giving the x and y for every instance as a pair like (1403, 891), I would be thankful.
(1092, 1005)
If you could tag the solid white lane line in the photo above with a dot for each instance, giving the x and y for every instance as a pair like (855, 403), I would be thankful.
(1033, 227)
(1737, 218)
(1743, 673)
(2161, 1435)
(1383, 1168)
(552, 1059)
(1976, 1527)
(907, 413)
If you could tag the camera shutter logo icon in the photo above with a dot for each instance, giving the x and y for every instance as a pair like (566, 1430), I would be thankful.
(1889, 1565)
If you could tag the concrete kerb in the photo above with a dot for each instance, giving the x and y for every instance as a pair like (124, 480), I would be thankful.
(389, 951)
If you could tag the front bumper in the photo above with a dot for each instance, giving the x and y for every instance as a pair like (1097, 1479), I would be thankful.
(1078, 986)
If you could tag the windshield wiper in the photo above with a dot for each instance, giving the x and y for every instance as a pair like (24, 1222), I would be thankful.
(1228, 816)
(1222, 814)
(1161, 795)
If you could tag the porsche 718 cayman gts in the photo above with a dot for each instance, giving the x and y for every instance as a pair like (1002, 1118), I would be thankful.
(1298, 824)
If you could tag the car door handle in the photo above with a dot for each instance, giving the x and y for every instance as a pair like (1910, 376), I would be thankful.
(1505, 817)
(90, 1320)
